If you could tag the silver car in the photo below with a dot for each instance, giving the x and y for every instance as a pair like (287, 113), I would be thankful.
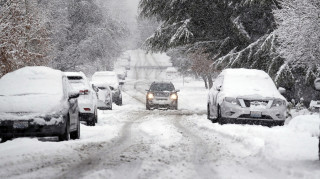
(246, 96)
(162, 95)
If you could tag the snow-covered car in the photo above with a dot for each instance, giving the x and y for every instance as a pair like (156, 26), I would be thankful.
(246, 96)
(317, 86)
(162, 95)
(123, 62)
(38, 102)
(87, 101)
(104, 95)
(110, 78)
(121, 73)
(171, 73)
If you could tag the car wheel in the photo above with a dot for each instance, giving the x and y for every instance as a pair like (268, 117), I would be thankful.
(96, 116)
(91, 123)
(66, 135)
(76, 134)
(319, 148)
(219, 119)
(5, 139)
(119, 102)
(147, 106)
(208, 111)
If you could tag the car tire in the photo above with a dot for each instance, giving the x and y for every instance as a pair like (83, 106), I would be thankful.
(119, 101)
(66, 135)
(208, 112)
(91, 123)
(5, 139)
(76, 134)
(96, 116)
(219, 118)
(319, 148)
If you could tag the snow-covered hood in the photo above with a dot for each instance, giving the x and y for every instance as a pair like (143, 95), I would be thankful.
(250, 84)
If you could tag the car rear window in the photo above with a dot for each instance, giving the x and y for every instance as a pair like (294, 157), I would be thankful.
(75, 78)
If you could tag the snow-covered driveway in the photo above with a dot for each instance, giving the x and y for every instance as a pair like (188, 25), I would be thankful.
(131, 142)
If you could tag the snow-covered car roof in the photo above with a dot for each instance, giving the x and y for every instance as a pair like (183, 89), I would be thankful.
(249, 82)
(31, 89)
(75, 74)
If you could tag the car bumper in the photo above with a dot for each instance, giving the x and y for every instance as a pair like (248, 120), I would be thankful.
(162, 103)
(104, 105)
(7, 129)
(87, 117)
(236, 112)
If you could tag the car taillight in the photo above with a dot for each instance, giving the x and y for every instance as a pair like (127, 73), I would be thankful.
(84, 92)
(87, 109)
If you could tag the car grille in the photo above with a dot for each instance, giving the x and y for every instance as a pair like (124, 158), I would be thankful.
(247, 116)
(258, 102)
(162, 94)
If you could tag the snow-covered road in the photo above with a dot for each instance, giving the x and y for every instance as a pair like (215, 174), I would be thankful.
(131, 142)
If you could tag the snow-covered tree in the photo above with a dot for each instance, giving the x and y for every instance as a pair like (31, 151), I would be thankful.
(24, 36)
(299, 43)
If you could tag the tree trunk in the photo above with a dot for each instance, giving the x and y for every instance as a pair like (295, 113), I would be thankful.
(205, 81)
(210, 80)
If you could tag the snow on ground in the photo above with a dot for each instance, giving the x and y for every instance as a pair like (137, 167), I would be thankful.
(131, 142)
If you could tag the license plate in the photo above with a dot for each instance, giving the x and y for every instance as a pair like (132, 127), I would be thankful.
(255, 114)
(20, 124)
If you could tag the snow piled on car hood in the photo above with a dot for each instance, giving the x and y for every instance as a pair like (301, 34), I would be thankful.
(249, 83)
(31, 89)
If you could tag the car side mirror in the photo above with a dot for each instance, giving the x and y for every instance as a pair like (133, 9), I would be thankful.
(317, 84)
(147, 90)
(121, 83)
(112, 88)
(73, 94)
(95, 88)
(282, 90)
(177, 90)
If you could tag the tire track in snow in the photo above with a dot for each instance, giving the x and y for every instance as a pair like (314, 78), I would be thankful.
(109, 155)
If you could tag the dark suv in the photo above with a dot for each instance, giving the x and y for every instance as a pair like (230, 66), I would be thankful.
(162, 95)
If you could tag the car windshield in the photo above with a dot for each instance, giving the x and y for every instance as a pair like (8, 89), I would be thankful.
(162, 87)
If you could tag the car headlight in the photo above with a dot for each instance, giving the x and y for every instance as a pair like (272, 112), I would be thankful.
(231, 100)
(278, 103)
(174, 96)
(150, 96)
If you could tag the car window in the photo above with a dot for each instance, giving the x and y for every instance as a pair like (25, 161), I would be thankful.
(162, 87)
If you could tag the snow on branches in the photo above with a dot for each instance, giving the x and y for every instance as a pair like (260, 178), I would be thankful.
(24, 38)
(299, 31)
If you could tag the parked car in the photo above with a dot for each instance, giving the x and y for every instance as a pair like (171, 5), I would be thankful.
(162, 95)
(317, 86)
(246, 96)
(121, 73)
(87, 101)
(38, 102)
(104, 95)
(110, 78)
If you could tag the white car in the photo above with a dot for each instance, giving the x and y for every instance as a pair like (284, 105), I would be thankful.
(317, 86)
(87, 100)
(110, 78)
(38, 102)
(104, 95)
(246, 96)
